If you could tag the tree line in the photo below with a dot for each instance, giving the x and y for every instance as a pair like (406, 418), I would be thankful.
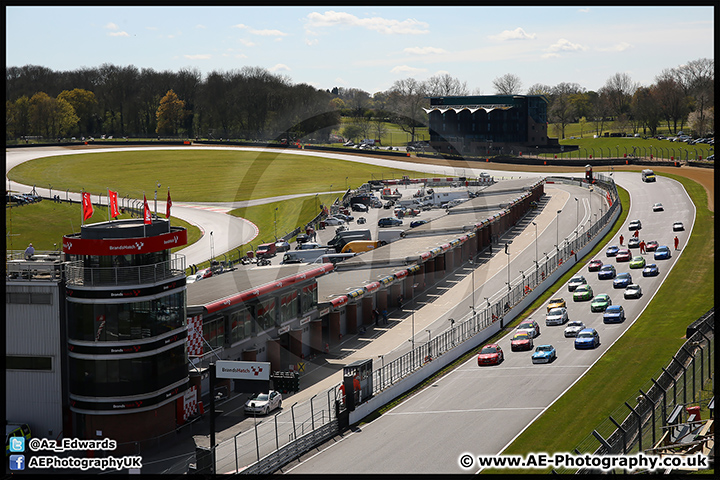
(254, 104)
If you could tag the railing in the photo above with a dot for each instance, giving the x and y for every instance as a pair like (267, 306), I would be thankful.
(268, 435)
(78, 274)
(644, 416)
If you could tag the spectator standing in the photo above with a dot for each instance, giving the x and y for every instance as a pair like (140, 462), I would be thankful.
(30, 250)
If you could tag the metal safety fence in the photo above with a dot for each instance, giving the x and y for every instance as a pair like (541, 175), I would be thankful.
(638, 424)
(255, 448)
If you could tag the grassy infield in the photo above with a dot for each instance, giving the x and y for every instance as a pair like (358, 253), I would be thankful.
(644, 348)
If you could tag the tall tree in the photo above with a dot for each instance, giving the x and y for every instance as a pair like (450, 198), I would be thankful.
(85, 106)
(670, 95)
(619, 89)
(406, 99)
(170, 114)
(508, 84)
(444, 85)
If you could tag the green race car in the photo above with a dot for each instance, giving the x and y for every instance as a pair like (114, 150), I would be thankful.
(600, 303)
(637, 262)
(582, 292)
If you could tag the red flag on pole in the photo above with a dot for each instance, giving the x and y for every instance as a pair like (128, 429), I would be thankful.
(169, 204)
(87, 205)
(147, 216)
(114, 212)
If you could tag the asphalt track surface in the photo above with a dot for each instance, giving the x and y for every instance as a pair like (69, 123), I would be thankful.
(472, 410)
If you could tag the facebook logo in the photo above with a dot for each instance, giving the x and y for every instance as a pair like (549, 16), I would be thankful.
(17, 462)
(17, 444)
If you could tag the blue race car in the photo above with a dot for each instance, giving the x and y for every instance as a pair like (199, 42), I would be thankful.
(650, 270)
(662, 253)
(588, 338)
(614, 314)
(622, 280)
(612, 251)
(606, 271)
(544, 354)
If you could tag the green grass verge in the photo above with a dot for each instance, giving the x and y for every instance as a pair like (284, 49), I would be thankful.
(198, 175)
(44, 224)
(646, 347)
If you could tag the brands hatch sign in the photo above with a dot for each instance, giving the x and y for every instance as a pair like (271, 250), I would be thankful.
(124, 246)
(242, 370)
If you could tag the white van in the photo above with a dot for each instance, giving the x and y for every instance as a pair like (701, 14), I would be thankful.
(390, 235)
(648, 175)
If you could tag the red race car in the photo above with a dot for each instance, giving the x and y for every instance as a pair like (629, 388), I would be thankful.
(623, 255)
(595, 265)
(490, 354)
(521, 341)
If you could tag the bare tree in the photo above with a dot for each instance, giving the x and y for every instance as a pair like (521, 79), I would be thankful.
(508, 84)
(669, 94)
(619, 90)
(406, 99)
(539, 89)
(444, 86)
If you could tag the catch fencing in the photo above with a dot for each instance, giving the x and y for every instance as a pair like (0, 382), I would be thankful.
(256, 450)
(638, 424)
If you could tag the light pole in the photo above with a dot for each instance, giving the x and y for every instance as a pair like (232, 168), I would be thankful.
(276, 209)
(212, 247)
(507, 252)
(577, 207)
(472, 266)
(557, 229)
(536, 256)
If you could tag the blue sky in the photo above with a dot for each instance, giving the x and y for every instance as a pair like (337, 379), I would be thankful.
(370, 47)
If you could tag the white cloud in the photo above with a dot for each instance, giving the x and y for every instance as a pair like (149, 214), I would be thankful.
(200, 56)
(564, 45)
(200, 26)
(424, 50)
(620, 47)
(378, 24)
(111, 26)
(247, 43)
(517, 34)
(263, 33)
(118, 34)
(312, 42)
(584, 10)
(279, 67)
(405, 69)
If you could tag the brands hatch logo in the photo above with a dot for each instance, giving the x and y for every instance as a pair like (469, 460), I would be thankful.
(256, 370)
(171, 240)
(67, 245)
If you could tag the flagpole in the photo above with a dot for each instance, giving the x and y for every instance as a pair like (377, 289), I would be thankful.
(108, 209)
(144, 205)
(82, 207)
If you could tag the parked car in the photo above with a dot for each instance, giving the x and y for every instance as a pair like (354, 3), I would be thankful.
(521, 341)
(600, 302)
(573, 328)
(417, 223)
(344, 217)
(302, 237)
(587, 338)
(544, 354)
(623, 255)
(595, 265)
(266, 250)
(633, 291)
(555, 303)
(651, 245)
(658, 207)
(662, 253)
(191, 278)
(264, 403)
(389, 222)
(637, 261)
(490, 354)
(612, 251)
(583, 292)
(308, 246)
(614, 314)
(359, 207)
(678, 227)
(650, 270)
(282, 246)
(204, 273)
(556, 316)
(333, 221)
(606, 272)
(622, 280)
(576, 281)
(635, 225)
